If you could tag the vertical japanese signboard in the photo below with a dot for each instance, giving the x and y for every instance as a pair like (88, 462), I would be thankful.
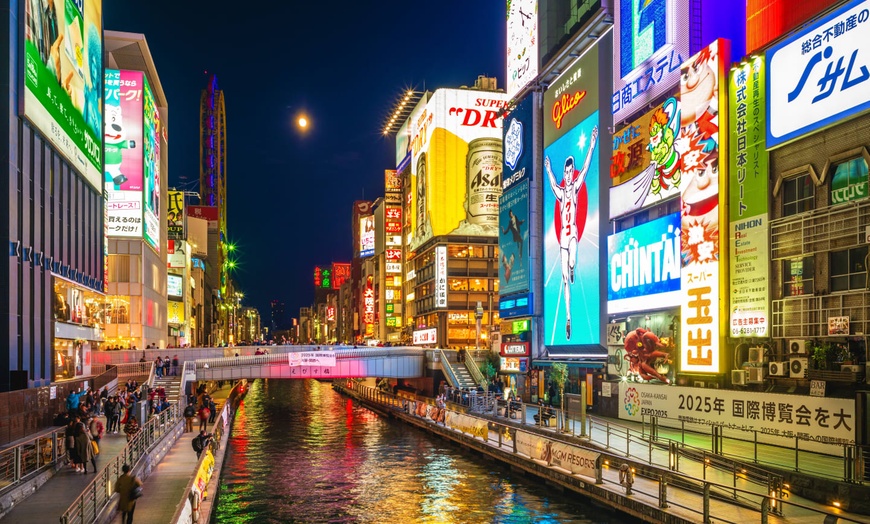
(340, 274)
(63, 78)
(513, 245)
(441, 276)
(820, 74)
(123, 177)
(650, 41)
(369, 306)
(748, 195)
(700, 93)
(152, 174)
(175, 215)
(392, 187)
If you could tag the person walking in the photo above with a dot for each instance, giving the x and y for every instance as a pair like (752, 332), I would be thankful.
(213, 409)
(167, 363)
(84, 448)
(204, 414)
(125, 487)
(175, 365)
(158, 367)
(200, 442)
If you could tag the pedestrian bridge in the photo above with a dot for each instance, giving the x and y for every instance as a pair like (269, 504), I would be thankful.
(393, 362)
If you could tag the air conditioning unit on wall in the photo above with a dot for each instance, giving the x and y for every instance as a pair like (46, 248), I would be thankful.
(798, 367)
(756, 355)
(778, 369)
(738, 377)
(757, 375)
(854, 368)
(797, 347)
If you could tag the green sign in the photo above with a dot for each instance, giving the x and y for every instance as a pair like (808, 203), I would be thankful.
(389, 308)
(63, 80)
(747, 160)
(849, 181)
(520, 326)
(748, 201)
(393, 321)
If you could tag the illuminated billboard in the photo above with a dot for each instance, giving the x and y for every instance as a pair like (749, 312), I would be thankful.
(152, 175)
(207, 213)
(643, 269)
(63, 79)
(572, 259)
(175, 215)
(748, 196)
(441, 277)
(392, 186)
(818, 75)
(175, 312)
(123, 153)
(645, 164)
(514, 267)
(700, 94)
(322, 277)
(367, 236)
(456, 164)
(650, 41)
(340, 274)
(522, 44)
(174, 286)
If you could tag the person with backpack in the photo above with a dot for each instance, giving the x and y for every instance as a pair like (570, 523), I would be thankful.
(189, 415)
(200, 442)
(126, 486)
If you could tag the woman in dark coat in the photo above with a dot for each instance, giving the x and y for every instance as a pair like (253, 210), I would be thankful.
(84, 448)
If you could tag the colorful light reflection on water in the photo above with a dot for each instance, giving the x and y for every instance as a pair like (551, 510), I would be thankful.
(299, 452)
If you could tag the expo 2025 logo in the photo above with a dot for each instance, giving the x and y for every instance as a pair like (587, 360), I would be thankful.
(631, 402)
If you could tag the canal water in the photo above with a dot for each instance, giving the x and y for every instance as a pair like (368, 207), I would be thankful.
(300, 452)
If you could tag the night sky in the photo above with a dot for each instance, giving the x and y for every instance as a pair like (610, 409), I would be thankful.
(342, 63)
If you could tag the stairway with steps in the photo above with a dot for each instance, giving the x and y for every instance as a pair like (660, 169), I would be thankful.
(171, 384)
(463, 376)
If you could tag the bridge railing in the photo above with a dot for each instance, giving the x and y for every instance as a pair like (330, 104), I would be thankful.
(282, 358)
(768, 498)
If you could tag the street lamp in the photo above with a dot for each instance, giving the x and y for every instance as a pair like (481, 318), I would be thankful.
(478, 315)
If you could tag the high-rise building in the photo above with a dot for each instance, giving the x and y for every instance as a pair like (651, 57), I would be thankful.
(279, 316)
(136, 166)
(51, 186)
(212, 192)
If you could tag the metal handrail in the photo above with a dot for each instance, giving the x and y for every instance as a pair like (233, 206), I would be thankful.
(29, 457)
(98, 494)
(447, 368)
(475, 372)
(768, 501)
(217, 431)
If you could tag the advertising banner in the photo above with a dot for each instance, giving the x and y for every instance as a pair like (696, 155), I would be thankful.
(518, 144)
(392, 187)
(817, 75)
(469, 425)
(176, 257)
(456, 166)
(645, 166)
(369, 306)
(650, 41)
(175, 312)
(208, 213)
(152, 175)
(522, 44)
(792, 416)
(322, 277)
(700, 93)
(571, 260)
(174, 287)
(340, 274)
(748, 196)
(513, 365)
(63, 79)
(366, 236)
(425, 336)
(533, 446)
(577, 460)
(441, 277)
(572, 97)
(175, 215)
(516, 349)
(312, 358)
(644, 266)
(123, 153)
(514, 268)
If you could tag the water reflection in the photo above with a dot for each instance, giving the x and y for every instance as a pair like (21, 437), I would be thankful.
(299, 452)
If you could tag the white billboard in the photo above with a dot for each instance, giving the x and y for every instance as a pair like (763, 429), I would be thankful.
(522, 44)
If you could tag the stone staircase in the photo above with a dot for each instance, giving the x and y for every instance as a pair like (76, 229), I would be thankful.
(463, 376)
(171, 384)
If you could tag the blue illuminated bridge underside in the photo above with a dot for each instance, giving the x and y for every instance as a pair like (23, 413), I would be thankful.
(394, 362)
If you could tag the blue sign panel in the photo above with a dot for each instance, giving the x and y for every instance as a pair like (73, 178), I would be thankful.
(518, 157)
(820, 74)
(643, 268)
(515, 306)
(571, 243)
(513, 243)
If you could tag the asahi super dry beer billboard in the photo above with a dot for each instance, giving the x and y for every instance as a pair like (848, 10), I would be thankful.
(456, 164)
(748, 196)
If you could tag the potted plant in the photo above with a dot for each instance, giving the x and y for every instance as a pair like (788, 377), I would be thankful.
(843, 355)
(820, 355)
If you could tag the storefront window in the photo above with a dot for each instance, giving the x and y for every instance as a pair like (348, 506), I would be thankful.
(76, 305)
(70, 356)
(458, 284)
(457, 251)
(477, 284)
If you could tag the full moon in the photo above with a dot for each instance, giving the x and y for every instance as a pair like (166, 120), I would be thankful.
(303, 122)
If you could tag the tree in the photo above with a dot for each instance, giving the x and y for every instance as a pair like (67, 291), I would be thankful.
(488, 368)
(559, 375)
